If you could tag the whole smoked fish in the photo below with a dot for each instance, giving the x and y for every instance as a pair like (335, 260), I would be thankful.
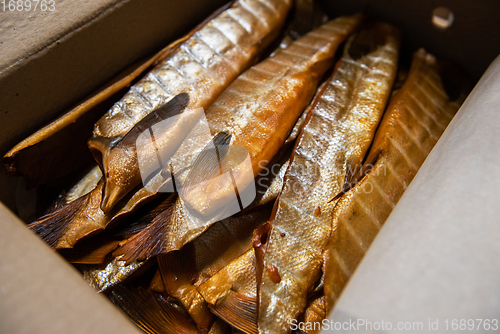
(415, 119)
(202, 67)
(336, 137)
(258, 110)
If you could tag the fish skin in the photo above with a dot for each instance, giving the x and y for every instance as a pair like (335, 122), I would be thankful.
(236, 279)
(262, 17)
(415, 119)
(314, 314)
(337, 135)
(262, 105)
(274, 91)
(202, 66)
(184, 270)
(236, 276)
(104, 277)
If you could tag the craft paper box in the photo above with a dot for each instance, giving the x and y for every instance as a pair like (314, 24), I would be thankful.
(435, 258)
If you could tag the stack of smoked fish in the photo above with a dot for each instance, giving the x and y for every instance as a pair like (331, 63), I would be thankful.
(332, 131)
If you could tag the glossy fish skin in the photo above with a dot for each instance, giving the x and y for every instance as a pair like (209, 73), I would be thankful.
(274, 91)
(202, 67)
(104, 277)
(262, 105)
(232, 293)
(336, 137)
(184, 270)
(237, 276)
(415, 119)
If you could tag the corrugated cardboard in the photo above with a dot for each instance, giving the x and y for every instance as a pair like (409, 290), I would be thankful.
(51, 61)
(84, 43)
(41, 293)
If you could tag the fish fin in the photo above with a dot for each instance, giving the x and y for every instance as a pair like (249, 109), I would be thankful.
(51, 227)
(147, 243)
(173, 107)
(354, 177)
(151, 312)
(238, 310)
(208, 165)
(91, 250)
(322, 65)
(139, 220)
(178, 267)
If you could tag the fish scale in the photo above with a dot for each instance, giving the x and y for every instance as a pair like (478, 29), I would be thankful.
(414, 121)
(282, 91)
(336, 137)
(218, 42)
(203, 65)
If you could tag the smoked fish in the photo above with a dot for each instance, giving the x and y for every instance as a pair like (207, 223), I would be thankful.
(182, 271)
(336, 137)
(232, 293)
(415, 119)
(258, 110)
(202, 66)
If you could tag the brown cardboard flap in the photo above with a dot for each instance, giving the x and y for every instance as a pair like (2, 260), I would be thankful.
(436, 258)
(41, 293)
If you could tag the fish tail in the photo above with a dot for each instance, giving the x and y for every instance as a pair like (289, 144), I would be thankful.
(147, 243)
(151, 312)
(52, 227)
(239, 311)
(91, 250)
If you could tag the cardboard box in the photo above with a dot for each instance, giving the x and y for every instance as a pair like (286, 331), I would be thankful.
(50, 61)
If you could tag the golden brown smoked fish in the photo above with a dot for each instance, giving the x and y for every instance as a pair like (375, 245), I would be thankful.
(258, 110)
(232, 293)
(202, 67)
(415, 119)
(218, 246)
(182, 271)
(336, 137)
